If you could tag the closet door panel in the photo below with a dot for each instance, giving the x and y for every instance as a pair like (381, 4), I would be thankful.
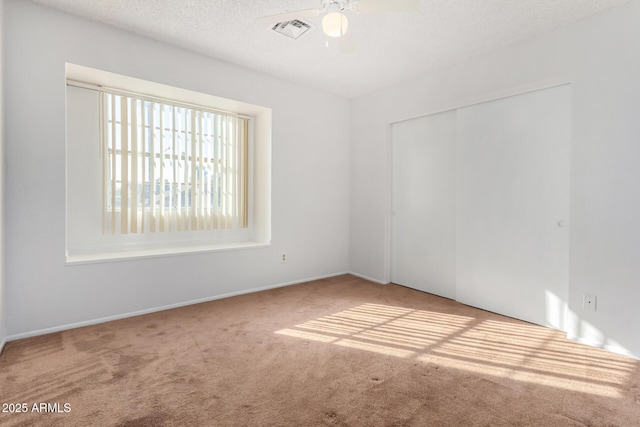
(423, 203)
(512, 205)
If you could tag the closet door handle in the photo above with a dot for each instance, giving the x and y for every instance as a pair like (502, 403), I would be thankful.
(562, 223)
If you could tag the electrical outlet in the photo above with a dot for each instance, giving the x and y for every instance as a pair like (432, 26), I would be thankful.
(589, 303)
(283, 257)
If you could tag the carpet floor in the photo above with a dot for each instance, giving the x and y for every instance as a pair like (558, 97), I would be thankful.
(338, 352)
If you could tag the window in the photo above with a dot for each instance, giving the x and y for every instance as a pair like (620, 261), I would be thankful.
(156, 170)
(170, 167)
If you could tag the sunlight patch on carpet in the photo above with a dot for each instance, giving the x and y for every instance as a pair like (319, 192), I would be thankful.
(376, 348)
(504, 349)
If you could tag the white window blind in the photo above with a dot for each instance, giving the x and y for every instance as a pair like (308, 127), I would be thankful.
(168, 167)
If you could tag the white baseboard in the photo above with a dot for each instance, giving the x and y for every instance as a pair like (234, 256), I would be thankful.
(2, 343)
(609, 347)
(371, 279)
(156, 309)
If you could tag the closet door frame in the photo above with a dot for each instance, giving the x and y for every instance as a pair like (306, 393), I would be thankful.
(455, 105)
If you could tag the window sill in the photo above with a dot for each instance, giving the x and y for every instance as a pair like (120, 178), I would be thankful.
(125, 255)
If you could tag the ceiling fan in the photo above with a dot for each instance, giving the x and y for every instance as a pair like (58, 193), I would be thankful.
(335, 23)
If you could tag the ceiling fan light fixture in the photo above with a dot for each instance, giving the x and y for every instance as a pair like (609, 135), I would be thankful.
(335, 24)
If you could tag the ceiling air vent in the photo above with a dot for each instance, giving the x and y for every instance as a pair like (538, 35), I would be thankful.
(293, 29)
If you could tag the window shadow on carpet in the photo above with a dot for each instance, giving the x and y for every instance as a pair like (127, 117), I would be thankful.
(500, 347)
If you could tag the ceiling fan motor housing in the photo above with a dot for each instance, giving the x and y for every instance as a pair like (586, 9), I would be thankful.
(335, 5)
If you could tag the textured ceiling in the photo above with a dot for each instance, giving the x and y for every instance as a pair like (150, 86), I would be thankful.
(390, 47)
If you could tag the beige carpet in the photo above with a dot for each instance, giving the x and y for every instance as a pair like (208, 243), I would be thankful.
(340, 351)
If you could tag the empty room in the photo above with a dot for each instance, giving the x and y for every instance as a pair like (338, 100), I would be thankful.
(319, 212)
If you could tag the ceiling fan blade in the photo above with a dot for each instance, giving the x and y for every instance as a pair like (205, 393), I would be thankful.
(384, 6)
(288, 16)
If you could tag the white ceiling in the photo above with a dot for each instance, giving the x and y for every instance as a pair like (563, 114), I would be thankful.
(390, 47)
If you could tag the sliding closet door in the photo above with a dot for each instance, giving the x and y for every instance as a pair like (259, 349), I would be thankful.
(423, 203)
(513, 205)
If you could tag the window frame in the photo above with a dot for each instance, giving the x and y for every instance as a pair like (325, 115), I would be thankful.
(111, 248)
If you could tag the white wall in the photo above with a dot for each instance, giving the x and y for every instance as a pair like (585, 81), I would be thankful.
(310, 161)
(324, 225)
(3, 331)
(599, 56)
